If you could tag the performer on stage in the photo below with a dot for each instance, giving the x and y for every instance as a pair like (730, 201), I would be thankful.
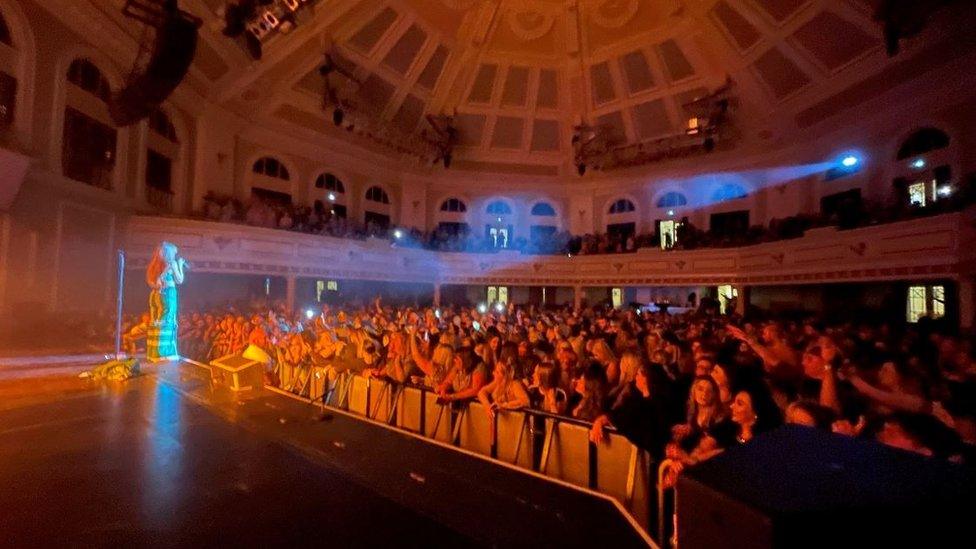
(164, 273)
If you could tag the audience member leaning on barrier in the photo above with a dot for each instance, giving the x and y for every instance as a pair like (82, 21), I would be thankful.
(504, 392)
(639, 413)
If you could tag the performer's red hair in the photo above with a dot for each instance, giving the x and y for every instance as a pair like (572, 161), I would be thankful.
(162, 257)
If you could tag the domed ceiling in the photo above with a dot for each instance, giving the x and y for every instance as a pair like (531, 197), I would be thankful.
(517, 76)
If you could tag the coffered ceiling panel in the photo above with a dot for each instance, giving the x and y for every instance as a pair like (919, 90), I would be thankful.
(744, 35)
(780, 10)
(370, 34)
(508, 133)
(518, 75)
(819, 36)
(636, 72)
(402, 54)
(780, 74)
(545, 135)
(516, 86)
(483, 84)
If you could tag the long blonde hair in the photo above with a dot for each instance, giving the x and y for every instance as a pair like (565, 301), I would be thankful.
(629, 364)
(602, 352)
(164, 254)
(443, 359)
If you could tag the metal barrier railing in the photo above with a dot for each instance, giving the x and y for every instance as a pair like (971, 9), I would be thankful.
(666, 466)
(552, 445)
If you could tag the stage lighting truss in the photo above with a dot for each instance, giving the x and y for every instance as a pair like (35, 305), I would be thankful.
(708, 127)
(441, 137)
(904, 19)
(257, 21)
(330, 94)
(340, 104)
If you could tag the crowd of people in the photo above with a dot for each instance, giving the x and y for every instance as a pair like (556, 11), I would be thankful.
(682, 386)
(332, 221)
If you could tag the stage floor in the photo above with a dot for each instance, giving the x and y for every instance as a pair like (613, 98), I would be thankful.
(166, 459)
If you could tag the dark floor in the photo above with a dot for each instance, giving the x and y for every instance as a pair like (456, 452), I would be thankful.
(147, 467)
(168, 460)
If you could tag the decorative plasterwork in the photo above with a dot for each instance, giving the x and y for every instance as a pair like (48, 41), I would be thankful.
(612, 14)
(529, 24)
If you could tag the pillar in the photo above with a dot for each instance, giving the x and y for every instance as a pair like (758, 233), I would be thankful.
(742, 301)
(577, 296)
(967, 301)
(290, 283)
(5, 230)
(437, 294)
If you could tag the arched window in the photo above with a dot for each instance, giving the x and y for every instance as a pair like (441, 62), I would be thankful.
(376, 194)
(271, 167)
(161, 125)
(543, 209)
(622, 206)
(454, 205)
(924, 170)
(84, 74)
(729, 191)
(162, 153)
(671, 200)
(330, 182)
(498, 208)
(5, 32)
(336, 195)
(923, 141)
(377, 218)
(8, 82)
(88, 146)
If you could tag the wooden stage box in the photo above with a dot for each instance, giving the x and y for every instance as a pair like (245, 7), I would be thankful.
(237, 372)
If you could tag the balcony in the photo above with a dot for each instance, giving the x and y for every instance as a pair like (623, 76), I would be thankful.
(926, 248)
(160, 199)
(917, 249)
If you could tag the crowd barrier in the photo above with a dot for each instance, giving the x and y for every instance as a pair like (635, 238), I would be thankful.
(665, 506)
(554, 446)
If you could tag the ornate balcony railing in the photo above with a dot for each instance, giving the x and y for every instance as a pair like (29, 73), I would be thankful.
(928, 248)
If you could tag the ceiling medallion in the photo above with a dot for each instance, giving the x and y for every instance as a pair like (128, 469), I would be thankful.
(529, 24)
(612, 14)
(458, 4)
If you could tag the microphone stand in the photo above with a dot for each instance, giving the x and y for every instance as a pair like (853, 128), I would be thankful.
(118, 306)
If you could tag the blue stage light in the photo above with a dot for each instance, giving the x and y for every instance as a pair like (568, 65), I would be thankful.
(918, 164)
(849, 161)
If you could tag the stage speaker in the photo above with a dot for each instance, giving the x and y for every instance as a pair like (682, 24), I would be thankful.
(801, 487)
(237, 372)
(173, 50)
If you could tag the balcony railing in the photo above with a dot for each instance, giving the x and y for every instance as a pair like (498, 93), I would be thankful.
(918, 249)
